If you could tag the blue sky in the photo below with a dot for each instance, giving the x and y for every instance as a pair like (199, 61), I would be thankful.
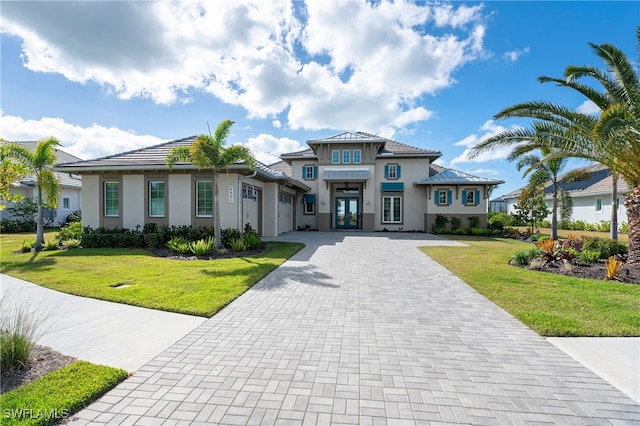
(107, 77)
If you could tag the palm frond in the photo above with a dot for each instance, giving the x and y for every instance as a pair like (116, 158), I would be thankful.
(50, 186)
(180, 154)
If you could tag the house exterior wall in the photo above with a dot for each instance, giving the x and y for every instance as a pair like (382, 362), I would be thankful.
(132, 209)
(73, 195)
(457, 206)
(180, 205)
(91, 194)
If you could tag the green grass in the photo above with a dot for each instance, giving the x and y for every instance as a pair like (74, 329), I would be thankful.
(550, 304)
(195, 287)
(59, 394)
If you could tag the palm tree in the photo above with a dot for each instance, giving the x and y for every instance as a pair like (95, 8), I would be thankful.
(10, 172)
(39, 164)
(611, 138)
(545, 171)
(209, 152)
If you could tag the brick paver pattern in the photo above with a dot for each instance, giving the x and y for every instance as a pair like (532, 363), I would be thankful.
(362, 329)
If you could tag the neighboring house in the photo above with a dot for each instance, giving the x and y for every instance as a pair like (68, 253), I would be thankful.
(70, 190)
(591, 197)
(134, 188)
(363, 181)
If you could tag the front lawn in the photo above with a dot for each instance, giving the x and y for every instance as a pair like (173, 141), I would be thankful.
(552, 305)
(59, 394)
(136, 277)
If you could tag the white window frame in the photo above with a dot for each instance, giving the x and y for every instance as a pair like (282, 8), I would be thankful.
(392, 171)
(164, 198)
(309, 208)
(598, 201)
(335, 156)
(198, 214)
(441, 193)
(310, 172)
(106, 198)
(359, 156)
(346, 156)
(66, 203)
(473, 198)
(393, 201)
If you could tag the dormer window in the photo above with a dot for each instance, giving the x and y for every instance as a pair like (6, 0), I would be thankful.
(335, 156)
(346, 156)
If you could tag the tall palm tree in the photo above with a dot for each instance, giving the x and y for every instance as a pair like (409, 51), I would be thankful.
(209, 152)
(611, 138)
(39, 164)
(10, 172)
(545, 171)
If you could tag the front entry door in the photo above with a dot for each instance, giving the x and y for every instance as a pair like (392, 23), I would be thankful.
(347, 212)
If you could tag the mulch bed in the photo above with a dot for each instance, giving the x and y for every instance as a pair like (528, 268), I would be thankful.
(41, 361)
(596, 271)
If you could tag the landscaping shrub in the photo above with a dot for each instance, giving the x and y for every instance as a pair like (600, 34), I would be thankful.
(606, 246)
(112, 238)
(441, 222)
(51, 245)
(624, 228)
(154, 240)
(589, 256)
(474, 222)
(455, 223)
(202, 247)
(442, 230)
(603, 226)
(524, 257)
(27, 245)
(252, 241)
(545, 224)
(71, 243)
(238, 245)
(478, 232)
(19, 330)
(72, 230)
(179, 244)
(227, 235)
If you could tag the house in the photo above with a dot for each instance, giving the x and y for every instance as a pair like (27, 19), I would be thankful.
(362, 181)
(70, 190)
(136, 187)
(591, 197)
(348, 181)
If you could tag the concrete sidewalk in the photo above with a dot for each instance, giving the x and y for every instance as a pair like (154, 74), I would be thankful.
(101, 332)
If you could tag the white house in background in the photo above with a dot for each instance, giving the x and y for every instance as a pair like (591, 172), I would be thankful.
(348, 181)
(362, 181)
(591, 198)
(70, 189)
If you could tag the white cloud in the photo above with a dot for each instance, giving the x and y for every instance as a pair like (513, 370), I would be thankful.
(276, 124)
(488, 129)
(514, 55)
(588, 107)
(267, 148)
(83, 142)
(481, 172)
(267, 57)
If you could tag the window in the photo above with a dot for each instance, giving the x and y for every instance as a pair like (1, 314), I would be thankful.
(599, 205)
(346, 156)
(392, 171)
(443, 197)
(249, 193)
(309, 203)
(392, 209)
(112, 199)
(66, 202)
(204, 198)
(335, 156)
(286, 199)
(309, 172)
(156, 199)
(357, 156)
(471, 198)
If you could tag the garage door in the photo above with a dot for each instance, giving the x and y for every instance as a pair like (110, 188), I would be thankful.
(285, 213)
(250, 208)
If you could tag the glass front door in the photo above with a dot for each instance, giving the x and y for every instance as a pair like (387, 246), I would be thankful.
(347, 212)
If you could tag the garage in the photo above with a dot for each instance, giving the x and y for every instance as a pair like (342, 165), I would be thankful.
(285, 213)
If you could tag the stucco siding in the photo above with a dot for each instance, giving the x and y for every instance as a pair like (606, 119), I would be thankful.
(133, 201)
(91, 201)
(179, 199)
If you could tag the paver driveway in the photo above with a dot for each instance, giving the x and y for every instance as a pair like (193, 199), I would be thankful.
(362, 329)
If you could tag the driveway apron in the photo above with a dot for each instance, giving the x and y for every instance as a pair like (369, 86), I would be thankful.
(362, 329)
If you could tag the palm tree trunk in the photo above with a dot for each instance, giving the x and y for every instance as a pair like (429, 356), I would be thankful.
(216, 211)
(39, 223)
(554, 214)
(613, 232)
(632, 203)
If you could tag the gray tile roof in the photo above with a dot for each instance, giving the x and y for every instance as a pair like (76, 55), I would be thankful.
(389, 148)
(599, 182)
(447, 176)
(282, 166)
(154, 158)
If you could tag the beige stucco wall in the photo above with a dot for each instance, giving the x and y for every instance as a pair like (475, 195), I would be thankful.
(91, 201)
(270, 210)
(133, 201)
(180, 199)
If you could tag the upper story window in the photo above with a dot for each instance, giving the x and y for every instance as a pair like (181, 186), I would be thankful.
(335, 156)
(309, 172)
(156, 198)
(112, 199)
(357, 156)
(346, 156)
(392, 171)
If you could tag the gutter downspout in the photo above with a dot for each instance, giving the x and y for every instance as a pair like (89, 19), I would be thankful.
(240, 198)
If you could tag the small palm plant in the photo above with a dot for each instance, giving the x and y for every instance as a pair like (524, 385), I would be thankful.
(613, 269)
(202, 247)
